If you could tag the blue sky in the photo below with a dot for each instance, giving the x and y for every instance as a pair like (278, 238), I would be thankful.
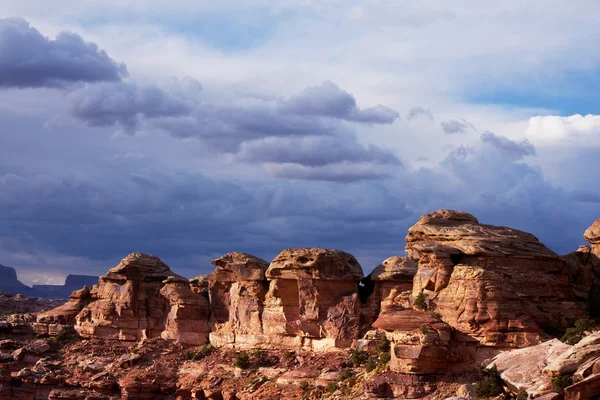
(190, 129)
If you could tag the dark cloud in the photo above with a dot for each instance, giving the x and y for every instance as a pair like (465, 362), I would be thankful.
(313, 151)
(123, 103)
(328, 100)
(29, 60)
(417, 112)
(516, 149)
(453, 126)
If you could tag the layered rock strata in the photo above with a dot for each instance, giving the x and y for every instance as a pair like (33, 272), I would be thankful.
(312, 300)
(142, 298)
(498, 285)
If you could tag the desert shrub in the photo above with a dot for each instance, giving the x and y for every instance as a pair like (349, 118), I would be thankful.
(384, 358)
(134, 350)
(359, 357)
(561, 382)
(489, 384)
(577, 332)
(420, 302)
(346, 374)
(242, 360)
(384, 345)
(332, 387)
(304, 385)
(199, 355)
(371, 364)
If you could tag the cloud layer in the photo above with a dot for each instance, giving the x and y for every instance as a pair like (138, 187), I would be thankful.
(28, 59)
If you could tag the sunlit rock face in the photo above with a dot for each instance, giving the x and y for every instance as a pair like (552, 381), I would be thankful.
(142, 298)
(237, 290)
(498, 285)
(312, 300)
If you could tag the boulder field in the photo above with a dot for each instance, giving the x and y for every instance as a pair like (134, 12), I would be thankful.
(466, 293)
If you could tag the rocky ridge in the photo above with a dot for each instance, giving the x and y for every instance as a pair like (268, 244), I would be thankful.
(463, 295)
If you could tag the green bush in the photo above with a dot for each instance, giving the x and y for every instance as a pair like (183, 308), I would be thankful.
(384, 358)
(420, 302)
(561, 382)
(577, 332)
(205, 351)
(384, 345)
(489, 384)
(346, 374)
(242, 360)
(304, 385)
(332, 387)
(358, 357)
(371, 364)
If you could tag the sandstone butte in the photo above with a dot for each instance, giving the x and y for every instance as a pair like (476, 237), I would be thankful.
(466, 292)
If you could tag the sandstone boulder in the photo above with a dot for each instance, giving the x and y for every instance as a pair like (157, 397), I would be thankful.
(576, 356)
(522, 369)
(312, 299)
(480, 279)
(237, 291)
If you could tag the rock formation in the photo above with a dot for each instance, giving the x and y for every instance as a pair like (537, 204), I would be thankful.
(498, 285)
(237, 291)
(62, 318)
(584, 269)
(312, 300)
(142, 298)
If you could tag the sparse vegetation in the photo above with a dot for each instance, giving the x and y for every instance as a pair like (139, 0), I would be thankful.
(304, 386)
(384, 358)
(346, 374)
(199, 355)
(384, 345)
(332, 387)
(420, 301)
(578, 331)
(242, 360)
(358, 357)
(134, 350)
(371, 363)
(561, 382)
(490, 384)
(522, 395)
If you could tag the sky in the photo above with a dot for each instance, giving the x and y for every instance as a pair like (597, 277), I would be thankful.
(191, 129)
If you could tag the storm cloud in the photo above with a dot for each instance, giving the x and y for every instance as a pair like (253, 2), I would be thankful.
(29, 60)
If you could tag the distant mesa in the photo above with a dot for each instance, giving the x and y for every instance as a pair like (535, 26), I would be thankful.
(10, 283)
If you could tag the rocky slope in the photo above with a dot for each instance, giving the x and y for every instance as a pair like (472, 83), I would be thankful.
(310, 324)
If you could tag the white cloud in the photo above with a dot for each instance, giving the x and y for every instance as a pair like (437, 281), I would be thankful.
(574, 129)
